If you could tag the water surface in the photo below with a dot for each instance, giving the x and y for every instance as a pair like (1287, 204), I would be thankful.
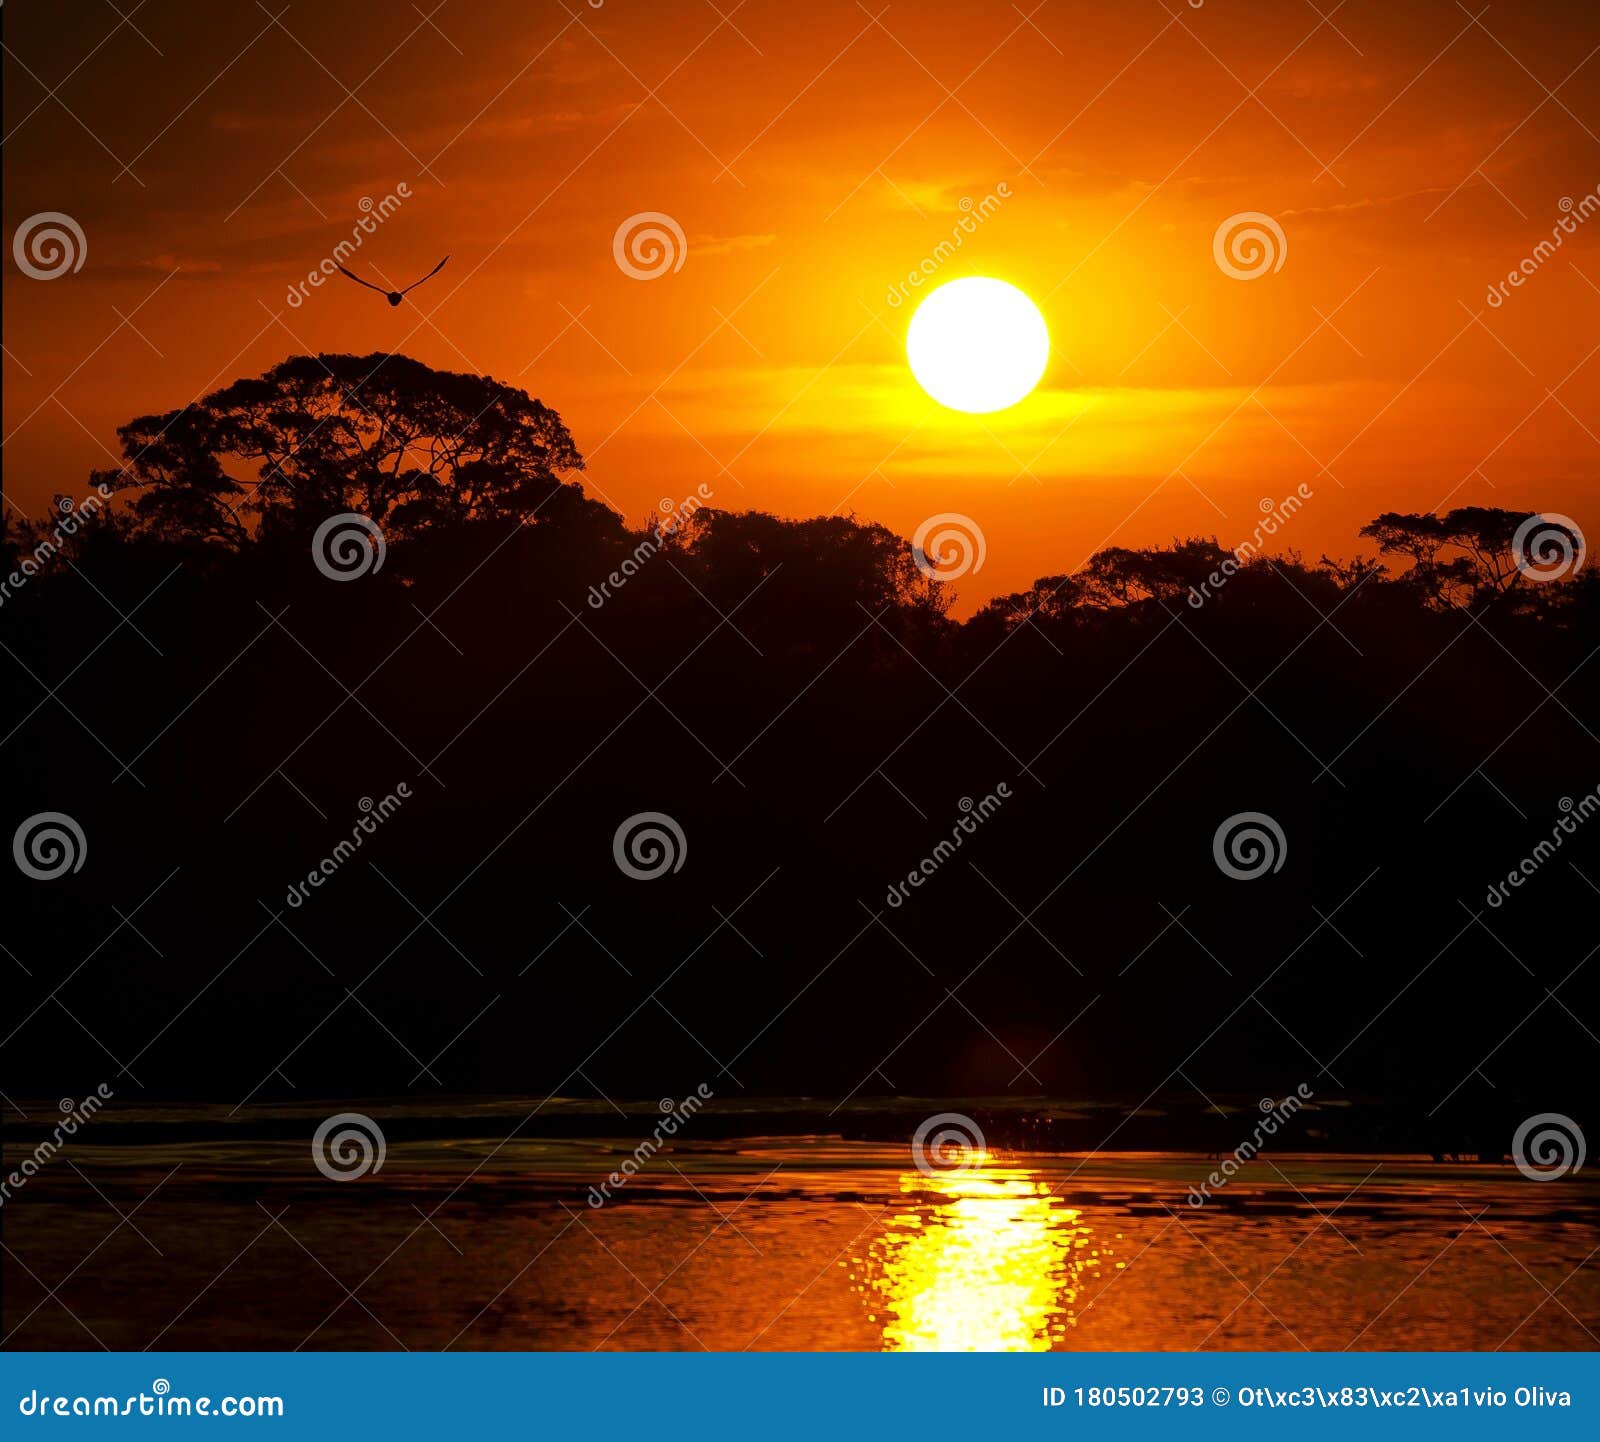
(800, 1243)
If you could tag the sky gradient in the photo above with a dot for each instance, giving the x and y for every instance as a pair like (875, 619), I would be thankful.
(813, 156)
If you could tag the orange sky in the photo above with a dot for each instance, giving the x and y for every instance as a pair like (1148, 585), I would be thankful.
(812, 156)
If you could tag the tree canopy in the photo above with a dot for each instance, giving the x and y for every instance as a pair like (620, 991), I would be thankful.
(198, 694)
(1470, 552)
(383, 435)
(427, 454)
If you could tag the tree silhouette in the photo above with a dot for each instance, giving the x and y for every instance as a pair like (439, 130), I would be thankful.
(1484, 563)
(825, 572)
(1050, 598)
(796, 695)
(1118, 576)
(408, 446)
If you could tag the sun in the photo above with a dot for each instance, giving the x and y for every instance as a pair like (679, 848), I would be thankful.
(977, 345)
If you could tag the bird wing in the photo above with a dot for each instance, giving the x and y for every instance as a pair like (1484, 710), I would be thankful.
(429, 276)
(357, 279)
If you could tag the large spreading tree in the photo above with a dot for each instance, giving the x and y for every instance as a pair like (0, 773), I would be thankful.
(411, 447)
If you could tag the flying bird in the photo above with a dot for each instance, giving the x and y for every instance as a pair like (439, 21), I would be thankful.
(393, 296)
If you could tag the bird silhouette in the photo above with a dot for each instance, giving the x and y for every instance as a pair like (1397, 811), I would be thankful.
(393, 296)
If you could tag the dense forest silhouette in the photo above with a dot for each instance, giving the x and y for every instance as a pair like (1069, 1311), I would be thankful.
(212, 708)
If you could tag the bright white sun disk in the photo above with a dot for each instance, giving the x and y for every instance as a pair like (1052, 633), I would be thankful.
(977, 345)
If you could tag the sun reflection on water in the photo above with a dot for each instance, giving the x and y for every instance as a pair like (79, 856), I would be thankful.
(983, 1261)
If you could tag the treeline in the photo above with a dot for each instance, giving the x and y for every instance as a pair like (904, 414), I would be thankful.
(211, 674)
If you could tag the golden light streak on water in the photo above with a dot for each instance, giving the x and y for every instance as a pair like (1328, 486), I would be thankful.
(983, 1261)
